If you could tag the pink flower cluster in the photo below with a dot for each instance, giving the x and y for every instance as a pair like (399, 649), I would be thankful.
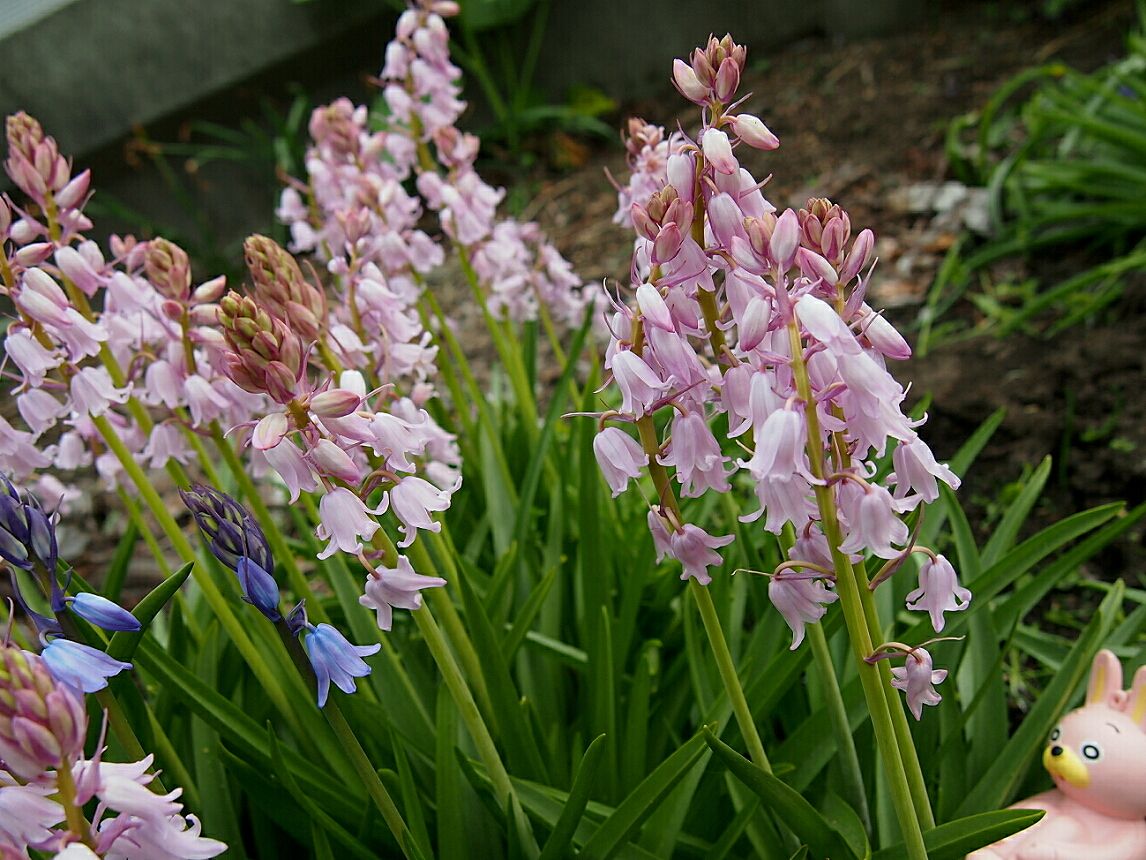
(758, 319)
(129, 351)
(355, 213)
(152, 342)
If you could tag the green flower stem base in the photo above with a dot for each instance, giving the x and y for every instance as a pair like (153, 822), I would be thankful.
(467, 707)
(856, 620)
(361, 763)
(728, 674)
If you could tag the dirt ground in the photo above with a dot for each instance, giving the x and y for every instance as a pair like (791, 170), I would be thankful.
(861, 122)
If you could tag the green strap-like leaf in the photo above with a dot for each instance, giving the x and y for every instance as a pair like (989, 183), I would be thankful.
(634, 809)
(560, 842)
(123, 644)
(955, 839)
(788, 804)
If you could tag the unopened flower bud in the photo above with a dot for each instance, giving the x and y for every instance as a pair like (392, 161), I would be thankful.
(34, 254)
(204, 315)
(43, 724)
(858, 256)
(753, 132)
(75, 192)
(785, 240)
(727, 80)
(172, 309)
(686, 81)
(281, 288)
(335, 403)
(703, 69)
(718, 151)
(759, 232)
(210, 291)
(168, 269)
(331, 460)
(266, 355)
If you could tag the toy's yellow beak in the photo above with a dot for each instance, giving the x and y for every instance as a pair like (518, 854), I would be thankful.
(1063, 763)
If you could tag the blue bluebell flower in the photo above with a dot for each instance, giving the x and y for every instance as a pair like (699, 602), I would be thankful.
(80, 666)
(331, 655)
(238, 542)
(334, 658)
(102, 612)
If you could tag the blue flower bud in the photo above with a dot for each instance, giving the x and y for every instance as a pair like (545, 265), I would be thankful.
(102, 612)
(259, 588)
(80, 666)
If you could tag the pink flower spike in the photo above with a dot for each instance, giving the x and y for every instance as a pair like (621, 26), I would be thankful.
(800, 601)
(396, 588)
(694, 548)
(917, 679)
(753, 132)
(619, 456)
(718, 151)
(344, 518)
(939, 591)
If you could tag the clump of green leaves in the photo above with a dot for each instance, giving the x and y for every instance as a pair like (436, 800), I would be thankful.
(1062, 155)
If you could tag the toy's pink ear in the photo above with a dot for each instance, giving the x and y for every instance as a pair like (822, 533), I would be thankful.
(1136, 706)
(1105, 679)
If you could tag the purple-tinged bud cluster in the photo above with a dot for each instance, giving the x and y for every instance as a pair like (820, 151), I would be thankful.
(759, 316)
(238, 542)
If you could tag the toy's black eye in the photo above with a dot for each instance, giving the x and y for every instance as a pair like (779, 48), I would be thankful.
(1091, 751)
(1056, 734)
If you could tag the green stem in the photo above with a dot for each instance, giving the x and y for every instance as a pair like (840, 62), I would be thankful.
(729, 675)
(510, 357)
(903, 736)
(361, 763)
(455, 630)
(73, 813)
(467, 707)
(851, 605)
(850, 771)
(383, 802)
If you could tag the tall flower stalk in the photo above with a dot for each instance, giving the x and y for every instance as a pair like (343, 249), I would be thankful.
(759, 317)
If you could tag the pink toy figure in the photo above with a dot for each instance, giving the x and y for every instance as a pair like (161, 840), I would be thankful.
(1097, 758)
